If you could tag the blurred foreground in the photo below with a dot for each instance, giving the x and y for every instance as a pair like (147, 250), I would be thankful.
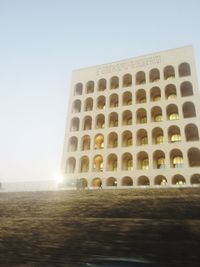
(71, 228)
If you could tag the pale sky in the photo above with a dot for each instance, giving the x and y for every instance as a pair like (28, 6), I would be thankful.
(42, 41)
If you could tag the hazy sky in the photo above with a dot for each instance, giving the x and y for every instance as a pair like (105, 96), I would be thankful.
(42, 41)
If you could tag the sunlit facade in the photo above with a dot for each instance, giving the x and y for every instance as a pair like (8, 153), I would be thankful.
(134, 123)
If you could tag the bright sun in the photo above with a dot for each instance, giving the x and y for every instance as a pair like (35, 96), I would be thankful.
(58, 178)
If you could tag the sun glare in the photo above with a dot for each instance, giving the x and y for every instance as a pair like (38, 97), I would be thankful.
(58, 178)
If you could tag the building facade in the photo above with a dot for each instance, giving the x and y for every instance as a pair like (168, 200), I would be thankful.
(134, 123)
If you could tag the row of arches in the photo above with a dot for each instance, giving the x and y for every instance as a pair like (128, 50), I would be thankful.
(170, 91)
(140, 78)
(176, 160)
(114, 140)
(159, 180)
(156, 115)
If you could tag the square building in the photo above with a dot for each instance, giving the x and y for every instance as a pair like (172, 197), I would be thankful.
(134, 123)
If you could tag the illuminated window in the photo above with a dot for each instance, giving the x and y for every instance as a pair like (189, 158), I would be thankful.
(175, 138)
(143, 100)
(180, 182)
(170, 77)
(158, 118)
(173, 116)
(159, 139)
(156, 80)
(145, 164)
(163, 182)
(102, 145)
(178, 162)
(172, 96)
(161, 163)
(130, 165)
(144, 140)
(156, 98)
(129, 121)
(143, 120)
(101, 166)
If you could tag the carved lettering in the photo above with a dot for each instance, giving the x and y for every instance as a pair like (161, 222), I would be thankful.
(128, 66)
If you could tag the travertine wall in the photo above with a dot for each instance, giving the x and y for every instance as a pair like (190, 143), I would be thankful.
(134, 123)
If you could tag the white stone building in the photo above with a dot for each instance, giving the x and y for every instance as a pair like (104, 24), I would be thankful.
(134, 123)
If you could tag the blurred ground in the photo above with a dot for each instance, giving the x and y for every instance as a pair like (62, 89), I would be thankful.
(67, 228)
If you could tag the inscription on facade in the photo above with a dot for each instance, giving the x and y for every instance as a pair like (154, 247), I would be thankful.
(128, 66)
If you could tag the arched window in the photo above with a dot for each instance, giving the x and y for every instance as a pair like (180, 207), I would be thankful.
(100, 121)
(154, 75)
(87, 123)
(160, 180)
(195, 179)
(127, 162)
(127, 99)
(186, 89)
(73, 144)
(178, 180)
(98, 163)
(143, 180)
(159, 159)
(189, 110)
(141, 116)
(142, 161)
(113, 119)
(155, 94)
(111, 181)
(127, 80)
(114, 82)
(157, 136)
(74, 124)
(112, 162)
(140, 77)
(127, 181)
(142, 137)
(85, 143)
(83, 183)
(101, 102)
(176, 159)
(101, 85)
(96, 182)
(156, 114)
(170, 92)
(76, 107)
(112, 140)
(141, 96)
(184, 69)
(99, 141)
(191, 132)
(127, 139)
(174, 134)
(172, 112)
(194, 157)
(84, 164)
(127, 117)
(71, 165)
(89, 104)
(169, 72)
(78, 90)
(90, 87)
(114, 101)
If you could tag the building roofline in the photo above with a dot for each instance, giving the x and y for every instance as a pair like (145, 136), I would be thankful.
(133, 58)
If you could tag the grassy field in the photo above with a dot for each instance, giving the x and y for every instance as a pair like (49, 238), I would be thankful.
(67, 228)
